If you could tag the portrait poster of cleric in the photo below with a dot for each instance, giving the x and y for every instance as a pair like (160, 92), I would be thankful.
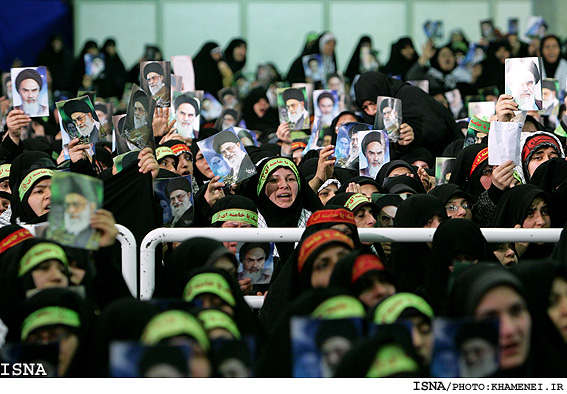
(318, 343)
(464, 348)
(79, 120)
(256, 259)
(29, 90)
(523, 82)
(187, 113)
(389, 116)
(74, 199)
(374, 152)
(326, 105)
(176, 199)
(293, 108)
(230, 149)
(120, 145)
(138, 122)
(348, 144)
(155, 78)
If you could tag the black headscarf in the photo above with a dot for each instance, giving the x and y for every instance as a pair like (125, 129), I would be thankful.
(23, 165)
(471, 284)
(122, 320)
(229, 55)
(274, 215)
(419, 154)
(551, 176)
(207, 74)
(289, 283)
(71, 302)
(276, 356)
(432, 123)
(445, 192)
(537, 278)
(410, 260)
(189, 255)
(512, 209)
(114, 72)
(513, 206)
(398, 64)
(391, 166)
(267, 123)
(354, 65)
(362, 360)
(452, 238)
(468, 167)
(246, 321)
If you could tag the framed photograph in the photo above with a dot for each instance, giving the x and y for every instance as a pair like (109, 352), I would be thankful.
(211, 108)
(187, 113)
(133, 360)
(374, 152)
(176, 198)
(389, 116)
(74, 199)
(523, 82)
(7, 87)
(326, 105)
(293, 108)
(79, 120)
(443, 169)
(229, 98)
(464, 348)
(348, 142)
(29, 90)
(139, 117)
(256, 262)
(94, 65)
(313, 68)
(318, 345)
(155, 78)
(433, 29)
(227, 158)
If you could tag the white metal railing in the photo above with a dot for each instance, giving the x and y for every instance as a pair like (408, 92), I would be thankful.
(129, 258)
(155, 237)
(128, 253)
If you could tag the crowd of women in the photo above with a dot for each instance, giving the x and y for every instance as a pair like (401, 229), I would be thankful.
(396, 291)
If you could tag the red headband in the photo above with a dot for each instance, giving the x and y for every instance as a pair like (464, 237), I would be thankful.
(533, 143)
(340, 215)
(363, 264)
(480, 157)
(314, 241)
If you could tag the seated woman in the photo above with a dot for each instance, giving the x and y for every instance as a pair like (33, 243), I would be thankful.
(525, 206)
(486, 291)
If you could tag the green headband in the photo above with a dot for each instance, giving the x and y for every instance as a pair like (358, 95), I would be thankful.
(209, 282)
(236, 215)
(479, 125)
(339, 307)
(271, 165)
(212, 319)
(40, 253)
(355, 200)
(173, 323)
(164, 151)
(49, 316)
(4, 171)
(391, 359)
(391, 308)
(31, 178)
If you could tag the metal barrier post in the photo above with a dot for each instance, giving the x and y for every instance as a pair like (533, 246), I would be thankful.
(129, 258)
